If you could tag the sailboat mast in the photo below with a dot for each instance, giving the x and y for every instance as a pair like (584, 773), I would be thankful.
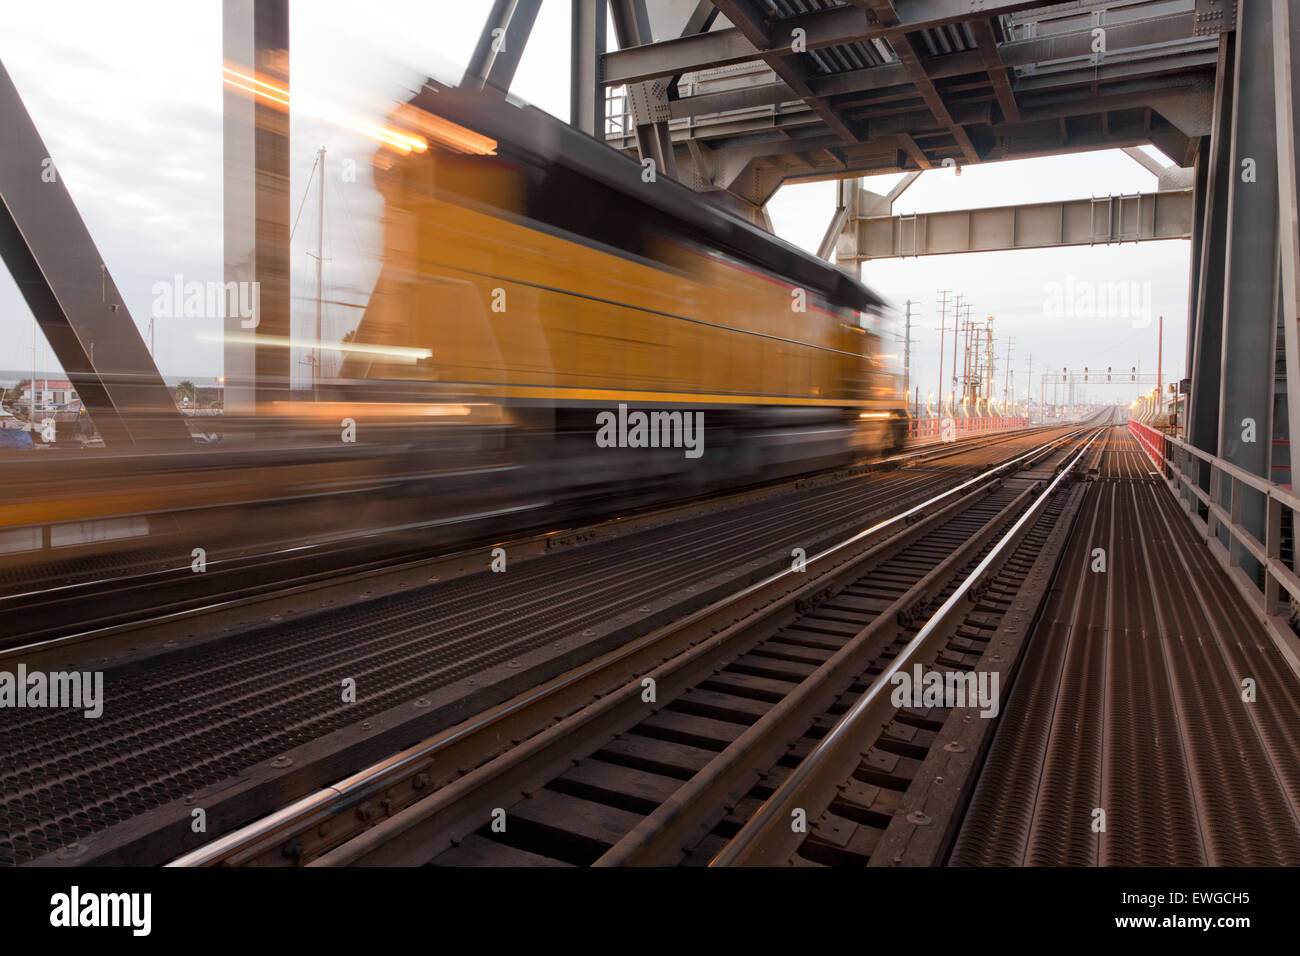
(320, 260)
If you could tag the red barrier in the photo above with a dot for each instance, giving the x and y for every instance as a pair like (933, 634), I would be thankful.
(1151, 441)
(932, 427)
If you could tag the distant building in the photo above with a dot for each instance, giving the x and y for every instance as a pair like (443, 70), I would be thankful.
(50, 394)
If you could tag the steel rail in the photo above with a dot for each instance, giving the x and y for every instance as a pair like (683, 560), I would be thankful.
(528, 715)
(419, 832)
(688, 815)
(248, 582)
(767, 838)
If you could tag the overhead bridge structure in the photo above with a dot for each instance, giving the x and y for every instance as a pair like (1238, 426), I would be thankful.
(773, 91)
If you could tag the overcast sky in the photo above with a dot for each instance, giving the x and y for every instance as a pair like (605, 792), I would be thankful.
(127, 97)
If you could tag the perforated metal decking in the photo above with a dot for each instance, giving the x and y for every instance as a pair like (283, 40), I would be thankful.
(1133, 701)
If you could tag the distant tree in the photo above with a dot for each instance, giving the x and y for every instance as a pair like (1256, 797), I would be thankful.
(186, 391)
(14, 395)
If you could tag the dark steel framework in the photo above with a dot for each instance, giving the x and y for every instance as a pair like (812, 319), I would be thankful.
(66, 283)
(822, 89)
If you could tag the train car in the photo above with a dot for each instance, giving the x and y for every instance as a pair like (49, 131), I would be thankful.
(630, 332)
(553, 336)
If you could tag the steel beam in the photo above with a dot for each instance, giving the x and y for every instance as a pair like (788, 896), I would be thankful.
(586, 47)
(887, 15)
(840, 218)
(749, 19)
(701, 20)
(1206, 369)
(1074, 44)
(1200, 190)
(909, 146)
(849, 25)
(1168, 178)
(653, 139)
(60, 273)
(1080, 222)
(501, 45)
(1249, 314)
(255, 196)
(892, 75)
(916, 14)
(982, 30)
(1286, 54)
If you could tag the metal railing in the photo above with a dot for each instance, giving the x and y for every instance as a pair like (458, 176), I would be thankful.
(933, 427)
(1184, 468)
(618, 113)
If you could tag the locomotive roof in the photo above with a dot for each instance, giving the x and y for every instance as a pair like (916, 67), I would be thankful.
(533, 130)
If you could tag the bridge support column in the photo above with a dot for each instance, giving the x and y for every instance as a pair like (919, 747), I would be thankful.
(649, 100)
(1206, 337)
(1250, 315)
(63, 278)
(587, 46)
(501, 45)
(1286, 57)
(255, 42)
(1200, 191)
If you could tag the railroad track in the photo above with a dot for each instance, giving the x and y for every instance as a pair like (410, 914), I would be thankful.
(672, 748)
(79, 598)
(238, 710)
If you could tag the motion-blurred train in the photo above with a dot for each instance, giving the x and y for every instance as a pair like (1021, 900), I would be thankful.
(534, 274)
(554, 335)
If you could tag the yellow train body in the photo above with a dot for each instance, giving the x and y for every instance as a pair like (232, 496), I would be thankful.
(510, 308)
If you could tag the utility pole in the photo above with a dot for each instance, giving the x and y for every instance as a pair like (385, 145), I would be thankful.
(993, 368)
(1160, 366)
(1006, 387)
(965, 361)
(907, 351)
(956, 323)
(320, 264)
(943, 316)
(1029, 384)
(972, 360)
(989, 369)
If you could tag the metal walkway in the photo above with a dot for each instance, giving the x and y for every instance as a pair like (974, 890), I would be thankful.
(1153, 704)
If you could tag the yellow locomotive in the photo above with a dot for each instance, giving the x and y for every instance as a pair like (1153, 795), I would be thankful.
(554, 336)
(535, 275)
